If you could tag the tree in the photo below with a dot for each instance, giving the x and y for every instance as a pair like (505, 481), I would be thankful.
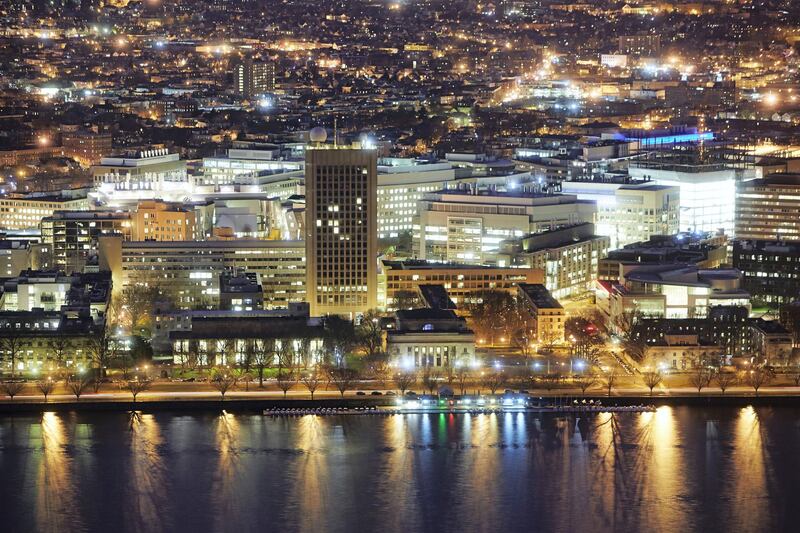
(11, 343)
(585, 382)
(60, 346)
(11, 388)
(264, 349)
(246, 377)
(379, 367)
(700, 378)
(339, 338)
(369, 334)
(796, 378)
(222, 381)
(312, 381)
(610, 382)
(405, 380)
(652, 379)
(286, 380)
(102, 350)
(46, 386)
(490, 313)
(725, 380)
(343, 378)
(430, 379)
(462, 375)
(136, 386)
(493, 380)
(758, 377)
(78, 385)
(405, 300)
(137, 303)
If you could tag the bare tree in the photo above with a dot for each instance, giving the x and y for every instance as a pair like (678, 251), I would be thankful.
(286, 380)
(725, 380)
(312, 381)
(11, 343)
(264, 350)
(11, 388)
(102, 350)
(343, 378)
(60, 346)
(585, 382)
(404, 381)
(78, 386)
(493, 381)
(462, 375)
(378, 367)
(652, 379)
(700, 378)
(222, 382)
(550, 381)
(758, 377)
(610, 382)
(430, 379)
(246, 378)
(796, 378)
(136, 386)
(46, 386)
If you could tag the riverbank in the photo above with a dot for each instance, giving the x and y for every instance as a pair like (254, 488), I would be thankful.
(243, 403)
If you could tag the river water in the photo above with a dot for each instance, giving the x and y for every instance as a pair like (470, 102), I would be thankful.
(678, 469)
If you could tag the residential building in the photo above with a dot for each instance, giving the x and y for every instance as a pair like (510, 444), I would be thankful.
(341, 229)
(86, 147)
(253, 78)
(17, 255)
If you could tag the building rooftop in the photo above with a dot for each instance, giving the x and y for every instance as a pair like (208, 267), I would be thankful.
(539, 295)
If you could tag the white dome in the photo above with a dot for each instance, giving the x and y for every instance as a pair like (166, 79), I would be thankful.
(318, 135)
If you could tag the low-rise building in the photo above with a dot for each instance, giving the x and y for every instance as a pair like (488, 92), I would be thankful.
(547, 316)
(771, 269)
(401, 278)
(74, 235)
(430, 338)
(161, 221)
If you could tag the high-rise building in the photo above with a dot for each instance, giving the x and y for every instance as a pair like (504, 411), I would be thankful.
(767, 208)
(252, 78)
(341, 229)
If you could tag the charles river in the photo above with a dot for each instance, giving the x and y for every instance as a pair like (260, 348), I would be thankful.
(678, 469)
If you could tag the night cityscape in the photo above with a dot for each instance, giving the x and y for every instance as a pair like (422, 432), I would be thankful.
(399, 265)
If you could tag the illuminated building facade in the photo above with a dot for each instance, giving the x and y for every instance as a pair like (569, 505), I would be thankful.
(341, 234)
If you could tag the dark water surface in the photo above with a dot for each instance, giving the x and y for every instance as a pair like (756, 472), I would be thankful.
(679, 469)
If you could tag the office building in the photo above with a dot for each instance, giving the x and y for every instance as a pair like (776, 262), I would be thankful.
(769, 208)
(703, 250)
(341, 232)
(401, 184)
(74, 235)
(141, 175)
(468, 226)
(400, 279)
(190, 270)
(18, 211)
(569, 257)
(771, 269)
(86, 147)
(630, 211)
(160, 221)
(547, 316)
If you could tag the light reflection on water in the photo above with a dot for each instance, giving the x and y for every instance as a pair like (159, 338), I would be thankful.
(675, 469)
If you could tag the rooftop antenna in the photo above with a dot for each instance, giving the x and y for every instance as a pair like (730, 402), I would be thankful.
(335, 133)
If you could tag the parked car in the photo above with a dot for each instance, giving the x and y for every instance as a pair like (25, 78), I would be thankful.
(376, 393)
(361, 393)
